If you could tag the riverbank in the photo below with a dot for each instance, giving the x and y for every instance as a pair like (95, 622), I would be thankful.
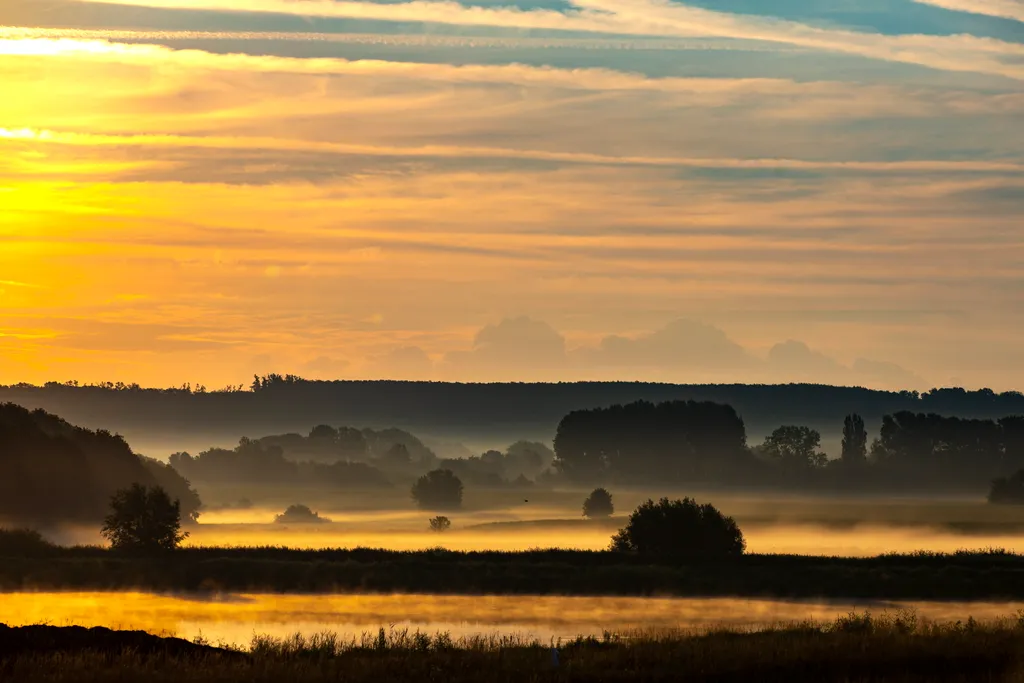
(991, 575)
(853, 649)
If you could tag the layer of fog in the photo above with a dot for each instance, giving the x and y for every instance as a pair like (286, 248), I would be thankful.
(865, 541)
(235, 620)
(524, 520)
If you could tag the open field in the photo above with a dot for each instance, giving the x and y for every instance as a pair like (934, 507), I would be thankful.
(963, 576)
(857, 648)
(515, 520)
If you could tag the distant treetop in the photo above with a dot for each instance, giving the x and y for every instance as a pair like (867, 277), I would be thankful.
(300, 514)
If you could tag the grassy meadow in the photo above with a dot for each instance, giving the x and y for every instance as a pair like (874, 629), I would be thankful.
(991, 575)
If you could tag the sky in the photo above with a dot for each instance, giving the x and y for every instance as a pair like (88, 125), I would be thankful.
(513, 190)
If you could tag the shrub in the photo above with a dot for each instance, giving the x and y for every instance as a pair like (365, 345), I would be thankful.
(143, 519)
(438, 490)
(598, 504)
(23, 543)
(440, 524)
(681, 529)
(300, 514)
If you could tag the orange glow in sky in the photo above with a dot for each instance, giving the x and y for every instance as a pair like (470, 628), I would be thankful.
(336, 189)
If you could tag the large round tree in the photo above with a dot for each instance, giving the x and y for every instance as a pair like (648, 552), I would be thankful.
(144, 520)
(598, 504)
(680, 529)
(438, 490)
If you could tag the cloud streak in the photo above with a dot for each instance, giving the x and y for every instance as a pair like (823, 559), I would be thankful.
(51, 137)
(657, 18)
(820, 98)
(391, 39)
(824, 190)
(1005, 9)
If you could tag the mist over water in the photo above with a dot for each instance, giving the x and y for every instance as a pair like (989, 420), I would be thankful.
(235, 619)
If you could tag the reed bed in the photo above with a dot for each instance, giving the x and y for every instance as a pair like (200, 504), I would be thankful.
(860, 647)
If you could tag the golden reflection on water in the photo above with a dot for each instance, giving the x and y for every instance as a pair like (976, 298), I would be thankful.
(235, 619)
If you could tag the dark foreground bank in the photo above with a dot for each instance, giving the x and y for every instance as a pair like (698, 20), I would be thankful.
(993, 575)
(852, 650)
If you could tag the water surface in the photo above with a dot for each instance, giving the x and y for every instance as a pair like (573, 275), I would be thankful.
(235, 619)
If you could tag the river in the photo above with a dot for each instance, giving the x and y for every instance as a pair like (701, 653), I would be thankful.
(235, 619)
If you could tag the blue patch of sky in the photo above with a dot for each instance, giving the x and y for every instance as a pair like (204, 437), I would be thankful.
(752, 174)
(890, 17)
(948, 138)
(648, 60)
(728, 59)
(877, 16)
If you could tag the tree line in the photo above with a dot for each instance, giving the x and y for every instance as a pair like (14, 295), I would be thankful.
(706, 442)
(350, 457)
(281, 403)
(252, 461)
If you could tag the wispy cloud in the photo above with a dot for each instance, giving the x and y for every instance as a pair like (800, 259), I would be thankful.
(444, 151)
(393, 39)
(811, 98)
(658, 18)
(1006, 9)
(826, 189)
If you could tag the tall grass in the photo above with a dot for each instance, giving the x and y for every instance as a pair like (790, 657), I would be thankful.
(856, 648)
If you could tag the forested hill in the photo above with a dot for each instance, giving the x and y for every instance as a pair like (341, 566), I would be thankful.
(53, 472)
(470, 411)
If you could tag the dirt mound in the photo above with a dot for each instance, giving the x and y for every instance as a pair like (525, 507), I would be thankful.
(47, 639)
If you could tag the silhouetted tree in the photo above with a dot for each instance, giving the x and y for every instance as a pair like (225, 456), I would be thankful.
(598, 504)
(527, 458)
(300, 514)
(855, 440)
(929, 447)
(250, 461)
(675, 440)
(323, 444)
(398, 454)
(53, 472)
(177, 487)
(795, 447)
(24, 543)
(143, 519)
(379, 442)
(679, 529)
(440, 524)
(324, 433)
(1008, 490)
(263, 461)
(438, 490)
(351, 443)
(493, 460)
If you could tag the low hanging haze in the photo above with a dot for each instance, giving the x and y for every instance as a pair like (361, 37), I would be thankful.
(715, 190)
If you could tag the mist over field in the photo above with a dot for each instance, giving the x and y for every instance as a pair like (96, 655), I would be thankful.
(852, 526)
